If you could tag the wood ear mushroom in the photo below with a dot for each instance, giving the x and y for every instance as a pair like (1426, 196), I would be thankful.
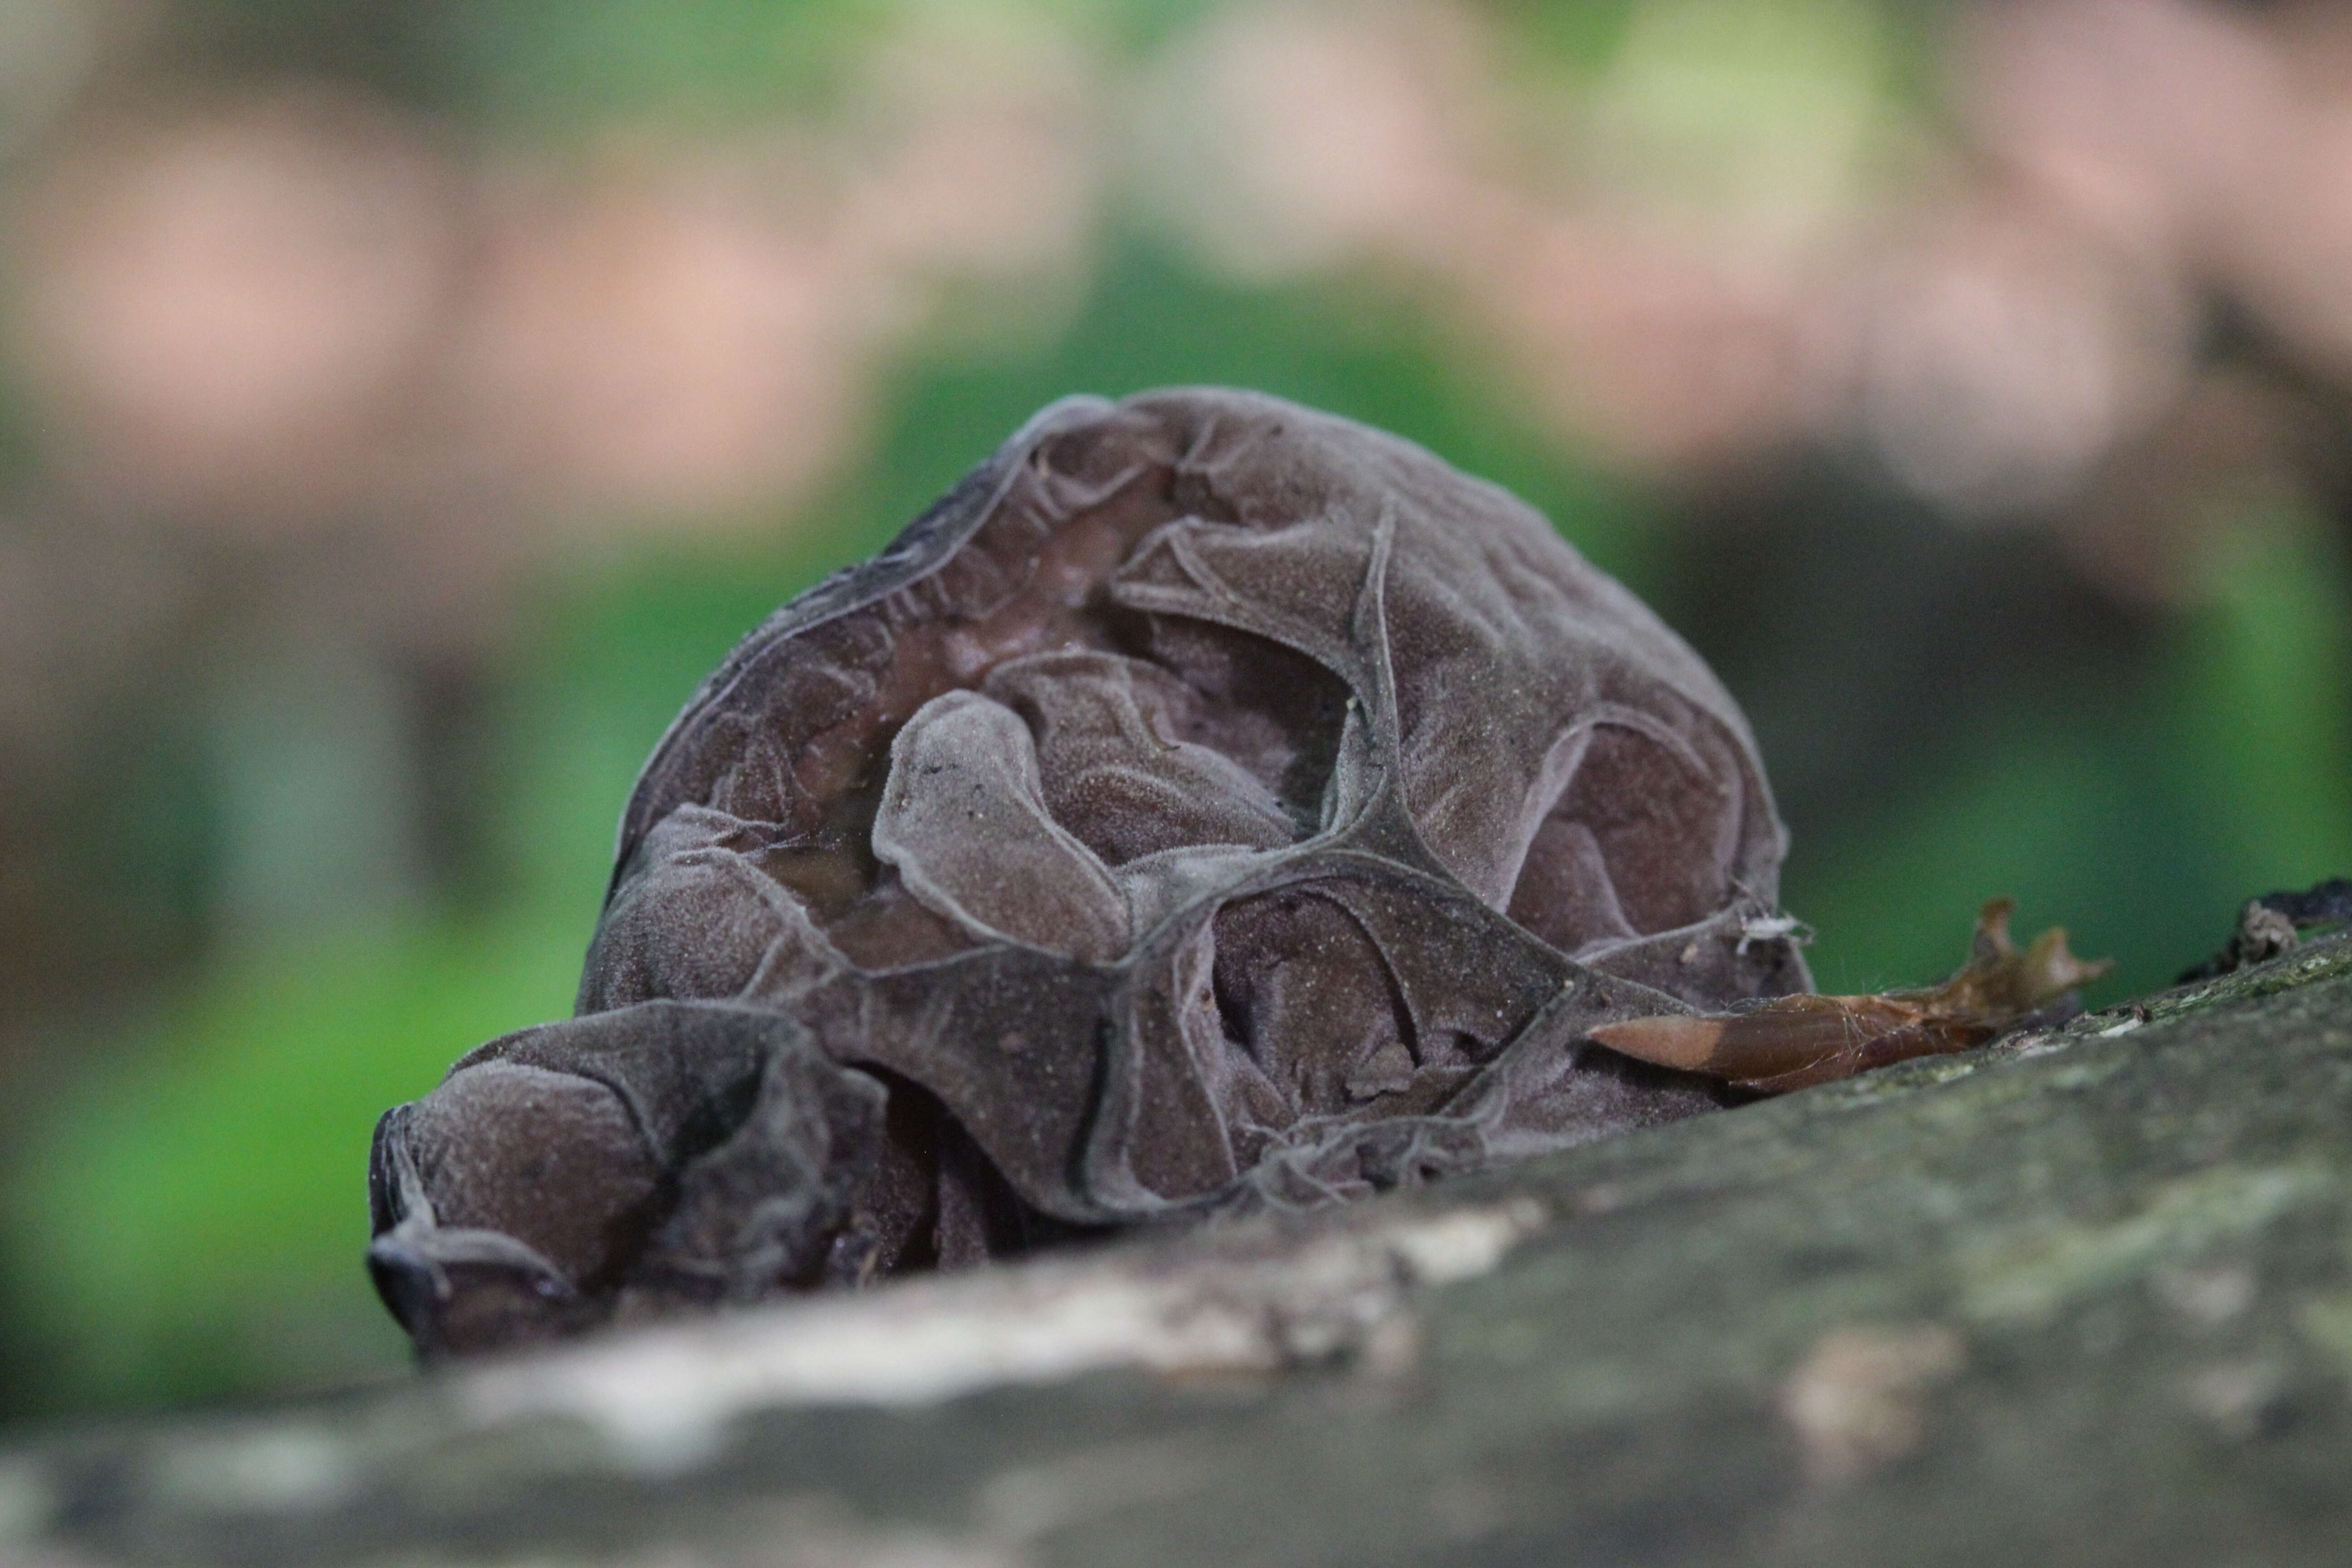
(1208, 805)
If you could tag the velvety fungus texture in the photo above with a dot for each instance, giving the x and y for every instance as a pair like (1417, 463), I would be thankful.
(1208, 805)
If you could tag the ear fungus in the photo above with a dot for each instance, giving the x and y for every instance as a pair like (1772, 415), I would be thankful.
(1208, 803)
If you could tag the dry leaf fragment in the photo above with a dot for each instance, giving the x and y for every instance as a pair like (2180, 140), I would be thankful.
(1794, 1042)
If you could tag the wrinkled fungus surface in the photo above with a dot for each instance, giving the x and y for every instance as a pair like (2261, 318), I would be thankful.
(1208, 805)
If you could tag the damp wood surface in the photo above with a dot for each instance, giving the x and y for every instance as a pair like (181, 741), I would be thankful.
(2083, 1295)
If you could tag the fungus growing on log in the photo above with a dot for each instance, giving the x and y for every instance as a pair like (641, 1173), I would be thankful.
(1208, 805)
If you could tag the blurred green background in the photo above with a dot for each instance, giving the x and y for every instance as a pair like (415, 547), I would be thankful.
(402, 405)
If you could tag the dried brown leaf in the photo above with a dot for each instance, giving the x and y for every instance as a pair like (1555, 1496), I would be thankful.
(1794, 1042)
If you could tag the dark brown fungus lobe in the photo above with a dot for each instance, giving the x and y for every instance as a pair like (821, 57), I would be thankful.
(1208, 805)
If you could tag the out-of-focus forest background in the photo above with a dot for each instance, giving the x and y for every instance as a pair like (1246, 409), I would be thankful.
(403, 403)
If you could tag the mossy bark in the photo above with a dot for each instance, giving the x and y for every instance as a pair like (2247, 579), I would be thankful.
(2083, 1295)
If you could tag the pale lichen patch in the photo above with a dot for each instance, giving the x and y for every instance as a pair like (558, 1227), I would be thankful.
(2030, 1279)
(664, 1395)
(1858, 1400)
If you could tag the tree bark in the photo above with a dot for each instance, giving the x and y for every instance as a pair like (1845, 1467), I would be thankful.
(2081, 1296)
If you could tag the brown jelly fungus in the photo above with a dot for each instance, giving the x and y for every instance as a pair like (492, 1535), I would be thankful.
(1209, 804)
